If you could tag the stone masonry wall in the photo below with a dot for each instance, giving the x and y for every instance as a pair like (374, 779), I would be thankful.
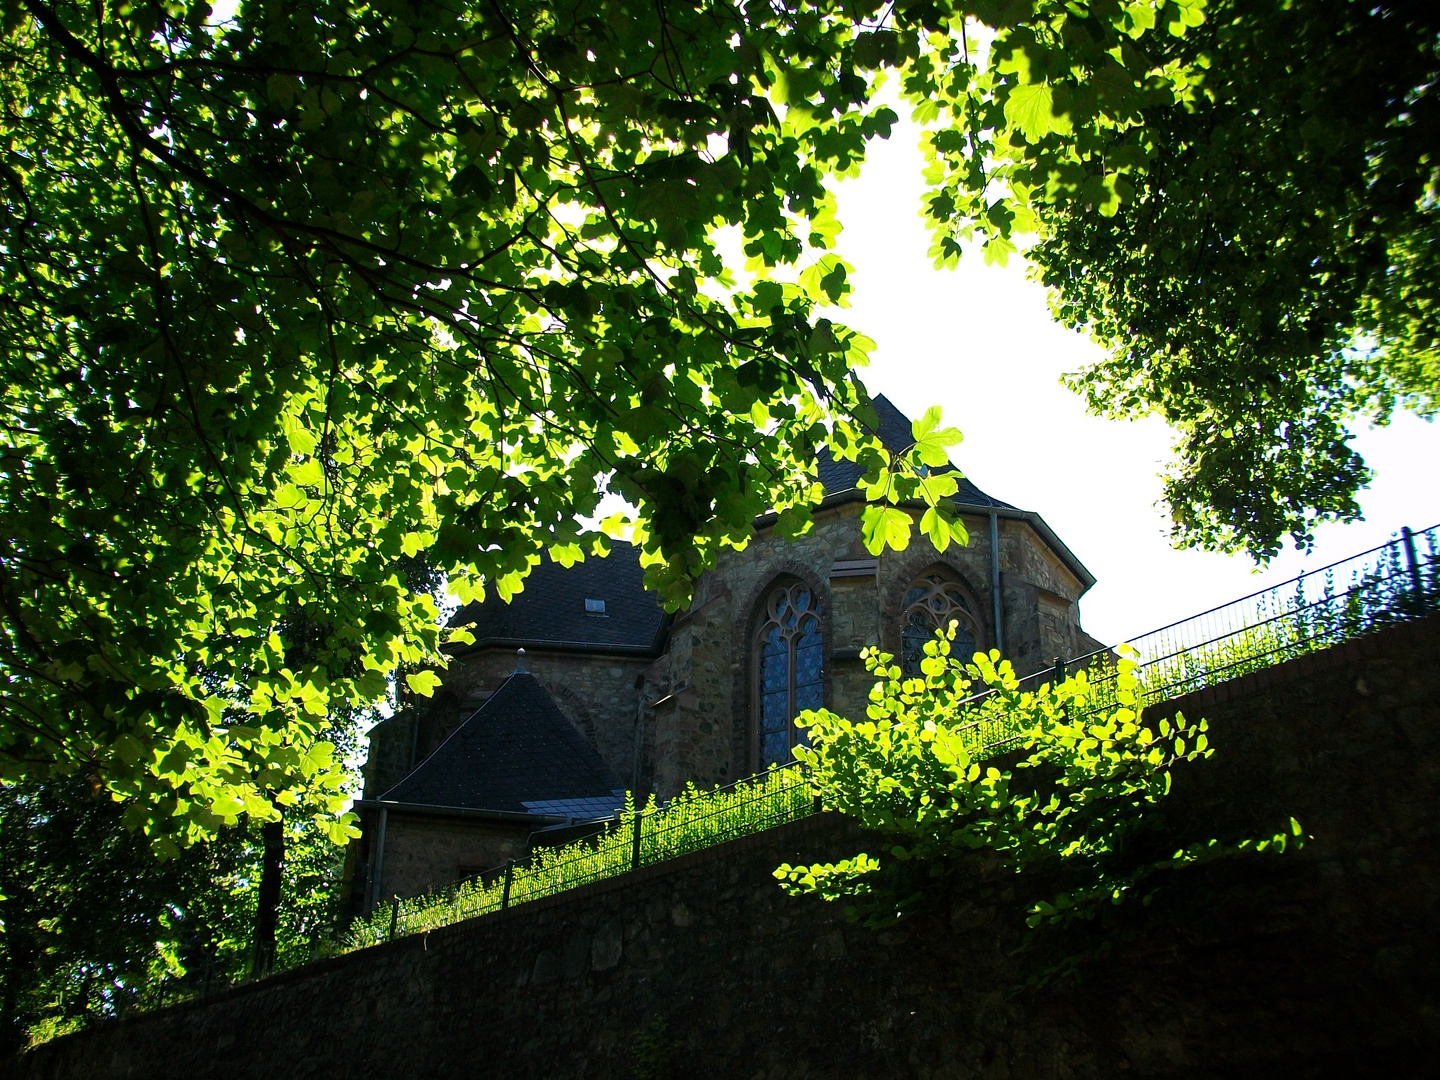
(1317, 963)
(1041, 600)
(703, 726)
(425, 852)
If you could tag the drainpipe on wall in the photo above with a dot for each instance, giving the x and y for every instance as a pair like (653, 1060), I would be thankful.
(995, 580)
(378, 862)
(637, 741)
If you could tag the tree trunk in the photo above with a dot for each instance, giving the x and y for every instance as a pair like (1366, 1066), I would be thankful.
(19, 973)
(267, 910)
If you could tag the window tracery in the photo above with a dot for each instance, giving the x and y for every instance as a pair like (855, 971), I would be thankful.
(931, 603)
(789, 654)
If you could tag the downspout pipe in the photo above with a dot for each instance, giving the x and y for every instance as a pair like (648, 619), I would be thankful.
(378, 862)
(997, 608)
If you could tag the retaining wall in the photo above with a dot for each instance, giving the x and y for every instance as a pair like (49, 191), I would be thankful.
(1317, 963)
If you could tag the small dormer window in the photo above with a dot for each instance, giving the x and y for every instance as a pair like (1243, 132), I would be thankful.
(594, 607)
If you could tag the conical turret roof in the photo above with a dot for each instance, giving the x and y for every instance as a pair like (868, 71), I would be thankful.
(514, 752)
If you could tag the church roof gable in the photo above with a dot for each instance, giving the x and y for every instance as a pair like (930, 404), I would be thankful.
(516, 749)
(894, 430)
(558, 606)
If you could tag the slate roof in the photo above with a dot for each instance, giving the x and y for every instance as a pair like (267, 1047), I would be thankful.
(894, 431)
(516, 749)
(551, 609)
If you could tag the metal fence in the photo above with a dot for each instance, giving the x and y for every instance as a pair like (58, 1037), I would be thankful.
(634, 838)
(1392, 583)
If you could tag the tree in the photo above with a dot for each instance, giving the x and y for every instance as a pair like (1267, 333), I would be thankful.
(287, 298)
(1253, 240)
(93, 925)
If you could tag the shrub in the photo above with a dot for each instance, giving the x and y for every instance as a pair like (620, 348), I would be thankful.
(1072, 799)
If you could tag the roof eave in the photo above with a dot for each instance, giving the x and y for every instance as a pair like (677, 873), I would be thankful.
(642, 652)
(1010, 513)
(510, 817)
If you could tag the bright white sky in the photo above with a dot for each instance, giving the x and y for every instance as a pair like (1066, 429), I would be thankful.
(979, 341)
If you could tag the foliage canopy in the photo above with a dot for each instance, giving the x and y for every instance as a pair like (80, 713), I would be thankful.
(290, 298)
(1257, 251)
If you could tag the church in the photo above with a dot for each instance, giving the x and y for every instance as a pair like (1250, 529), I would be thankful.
(582, 687)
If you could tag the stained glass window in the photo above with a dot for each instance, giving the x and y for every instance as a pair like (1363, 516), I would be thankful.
(789, 670)
(932, 602)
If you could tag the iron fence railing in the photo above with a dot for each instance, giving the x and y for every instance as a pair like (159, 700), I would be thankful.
(634, 838)
(1392, 583)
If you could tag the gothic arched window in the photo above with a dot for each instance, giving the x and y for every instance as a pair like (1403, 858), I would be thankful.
(931, 603)
(788, 655)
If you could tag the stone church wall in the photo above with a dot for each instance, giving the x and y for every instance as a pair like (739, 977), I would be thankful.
(1040, 598)
(422, 853)
(703, 729)
(1320, 963)
(703, 722)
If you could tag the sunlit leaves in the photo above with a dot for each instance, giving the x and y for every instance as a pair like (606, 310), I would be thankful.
(885, 526)
(1030, 110)
(423, 682)
(932, 441)
(1034, 124)
(331, 288)
(320, 299)
(1261, 283)
(1087, 776)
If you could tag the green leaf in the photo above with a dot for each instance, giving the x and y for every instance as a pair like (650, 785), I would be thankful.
(885, 526)
(423, 683)
(998, 250)
(939, 486)
(309, 473)
(926, 424)
(1184, 15)
(1030, 109)
(825, 280)
(934, 526)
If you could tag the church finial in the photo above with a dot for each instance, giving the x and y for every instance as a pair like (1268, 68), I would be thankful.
(520, 662)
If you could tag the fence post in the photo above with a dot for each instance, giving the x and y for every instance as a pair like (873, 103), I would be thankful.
(1407, 538)
(1058, 677)
(509, 876)
(394, 915)
(635, 843)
